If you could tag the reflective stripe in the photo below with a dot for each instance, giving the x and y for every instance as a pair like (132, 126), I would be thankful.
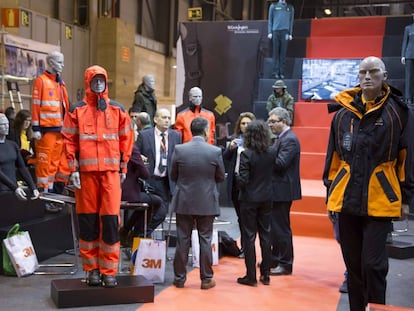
(36, 101)
(90, 261)
(70, 130)
(125, 130)
(111, 161)
(63, 176)
(88, 161)
(50, 103)
(123, 164)
(108, 264)
(35, 123)
(110, 136)
(42, 180)
(44, 115)
(87, 137)
(72, 164)
(88, 245)
(107, 248)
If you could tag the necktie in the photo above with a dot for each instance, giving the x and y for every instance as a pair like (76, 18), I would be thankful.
(163, 154)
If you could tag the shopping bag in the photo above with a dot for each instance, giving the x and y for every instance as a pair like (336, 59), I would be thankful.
(149, 259)
(21, 252)
(195, 248)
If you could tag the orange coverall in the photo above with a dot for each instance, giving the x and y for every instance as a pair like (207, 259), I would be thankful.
(50, 103)
(98, 137)
(185, 117)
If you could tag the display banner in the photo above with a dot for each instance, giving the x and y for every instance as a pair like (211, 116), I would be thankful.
(26, 58)
(224, 59)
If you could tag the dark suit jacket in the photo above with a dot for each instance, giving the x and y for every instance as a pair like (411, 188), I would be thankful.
(131, 189)
(255, 175)
(198, 168)
(286, 177)
(146, 145)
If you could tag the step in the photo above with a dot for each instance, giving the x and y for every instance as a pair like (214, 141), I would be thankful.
(400, 249)
(312, 139)
(312, 165)
(334, 47)
(293, 68)
(71, 293)
(312, 114)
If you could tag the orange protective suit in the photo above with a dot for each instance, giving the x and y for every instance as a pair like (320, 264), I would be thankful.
(185, 117)
(50, 102)
(98, 138)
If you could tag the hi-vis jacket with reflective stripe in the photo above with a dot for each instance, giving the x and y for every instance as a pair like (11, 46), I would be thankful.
(368, 169)
(97, 132)
(50, 102)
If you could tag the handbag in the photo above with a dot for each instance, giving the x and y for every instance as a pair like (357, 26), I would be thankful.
(149, 257)
(146, 187)
(21, 252)
(195, 248)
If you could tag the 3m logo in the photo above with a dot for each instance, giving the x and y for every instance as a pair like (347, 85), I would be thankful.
(151, 263)
(28, 251)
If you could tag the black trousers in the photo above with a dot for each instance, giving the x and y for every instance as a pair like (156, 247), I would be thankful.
(363, 243)
(279, 45)
(409, 80)
(255, 217)
(282, 244)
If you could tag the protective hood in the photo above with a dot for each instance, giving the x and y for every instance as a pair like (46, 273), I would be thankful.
(92, 98)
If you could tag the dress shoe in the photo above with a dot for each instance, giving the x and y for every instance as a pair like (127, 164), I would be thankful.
(280, 271)
(208, 284)
(344, 287)
(178, 283)
(246, 281)
(93, 278)
(109, 281)
(265, 279)
(53, 208)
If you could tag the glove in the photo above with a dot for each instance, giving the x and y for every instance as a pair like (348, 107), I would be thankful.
(20, 194)
(333, 216)
(122, 177)
(403, 60)
(290, 37)
(269, 36)
(75, 178)
(37, 135)
(35, 194)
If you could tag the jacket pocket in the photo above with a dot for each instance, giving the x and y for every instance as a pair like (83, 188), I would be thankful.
(386, 186)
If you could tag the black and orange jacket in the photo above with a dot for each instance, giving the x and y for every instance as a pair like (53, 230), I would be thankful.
(97, 132)
(368, 169)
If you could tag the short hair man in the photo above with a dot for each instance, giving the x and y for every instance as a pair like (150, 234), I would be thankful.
(197, 167)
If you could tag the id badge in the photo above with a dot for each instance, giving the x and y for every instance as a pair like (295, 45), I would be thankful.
(164, 161)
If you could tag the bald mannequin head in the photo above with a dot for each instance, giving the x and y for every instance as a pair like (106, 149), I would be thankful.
(149, 82)
(195, 96)
(55, 62)
(4, 127)
(371, 75)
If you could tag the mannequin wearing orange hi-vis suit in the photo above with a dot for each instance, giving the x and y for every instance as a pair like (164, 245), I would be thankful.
(50, 103)
(98, 138)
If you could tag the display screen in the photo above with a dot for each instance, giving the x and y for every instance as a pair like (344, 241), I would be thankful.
(322, 79)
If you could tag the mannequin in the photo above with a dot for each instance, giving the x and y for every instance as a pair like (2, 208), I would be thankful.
(280, 29)
(407, 59)
(50, 103)
(10, 159)
(145, 99)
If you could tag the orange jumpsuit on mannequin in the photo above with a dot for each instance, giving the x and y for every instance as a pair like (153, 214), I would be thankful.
(50, 103)
(98, 138)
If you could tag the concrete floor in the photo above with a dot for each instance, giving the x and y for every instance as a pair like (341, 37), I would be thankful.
(33, 292)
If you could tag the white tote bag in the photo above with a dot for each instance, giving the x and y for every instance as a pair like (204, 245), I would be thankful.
(195, 248)
(150, 260)
(21, 252)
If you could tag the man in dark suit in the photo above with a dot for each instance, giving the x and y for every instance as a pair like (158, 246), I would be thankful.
(157, 146)
(407, 59)
(286, 188)
(197, 167)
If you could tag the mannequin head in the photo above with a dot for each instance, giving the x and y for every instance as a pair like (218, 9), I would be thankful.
(195, 96)
(4, 127)
(98, 84)
(149, 82)
(55, 62)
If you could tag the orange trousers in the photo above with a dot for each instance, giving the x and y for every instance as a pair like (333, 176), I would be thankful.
(98, 204)
(63, 171)
(48, 152)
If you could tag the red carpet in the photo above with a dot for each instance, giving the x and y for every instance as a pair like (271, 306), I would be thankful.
(318, 272)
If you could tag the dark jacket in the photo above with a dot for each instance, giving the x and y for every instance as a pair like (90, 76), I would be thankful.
(286, 185)
(255, 176)
(368, 169)
(131, 189)
(145, 101)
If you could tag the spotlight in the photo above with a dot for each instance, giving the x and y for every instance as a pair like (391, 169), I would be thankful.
(327, 11)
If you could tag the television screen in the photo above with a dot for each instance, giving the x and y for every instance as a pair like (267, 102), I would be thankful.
(322, 79)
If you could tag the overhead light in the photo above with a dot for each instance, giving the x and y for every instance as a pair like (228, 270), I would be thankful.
(327, 11)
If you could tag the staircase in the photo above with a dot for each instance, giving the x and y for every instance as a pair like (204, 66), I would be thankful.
(329, 38)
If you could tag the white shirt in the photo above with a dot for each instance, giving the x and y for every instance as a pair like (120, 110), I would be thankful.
(158, 151)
